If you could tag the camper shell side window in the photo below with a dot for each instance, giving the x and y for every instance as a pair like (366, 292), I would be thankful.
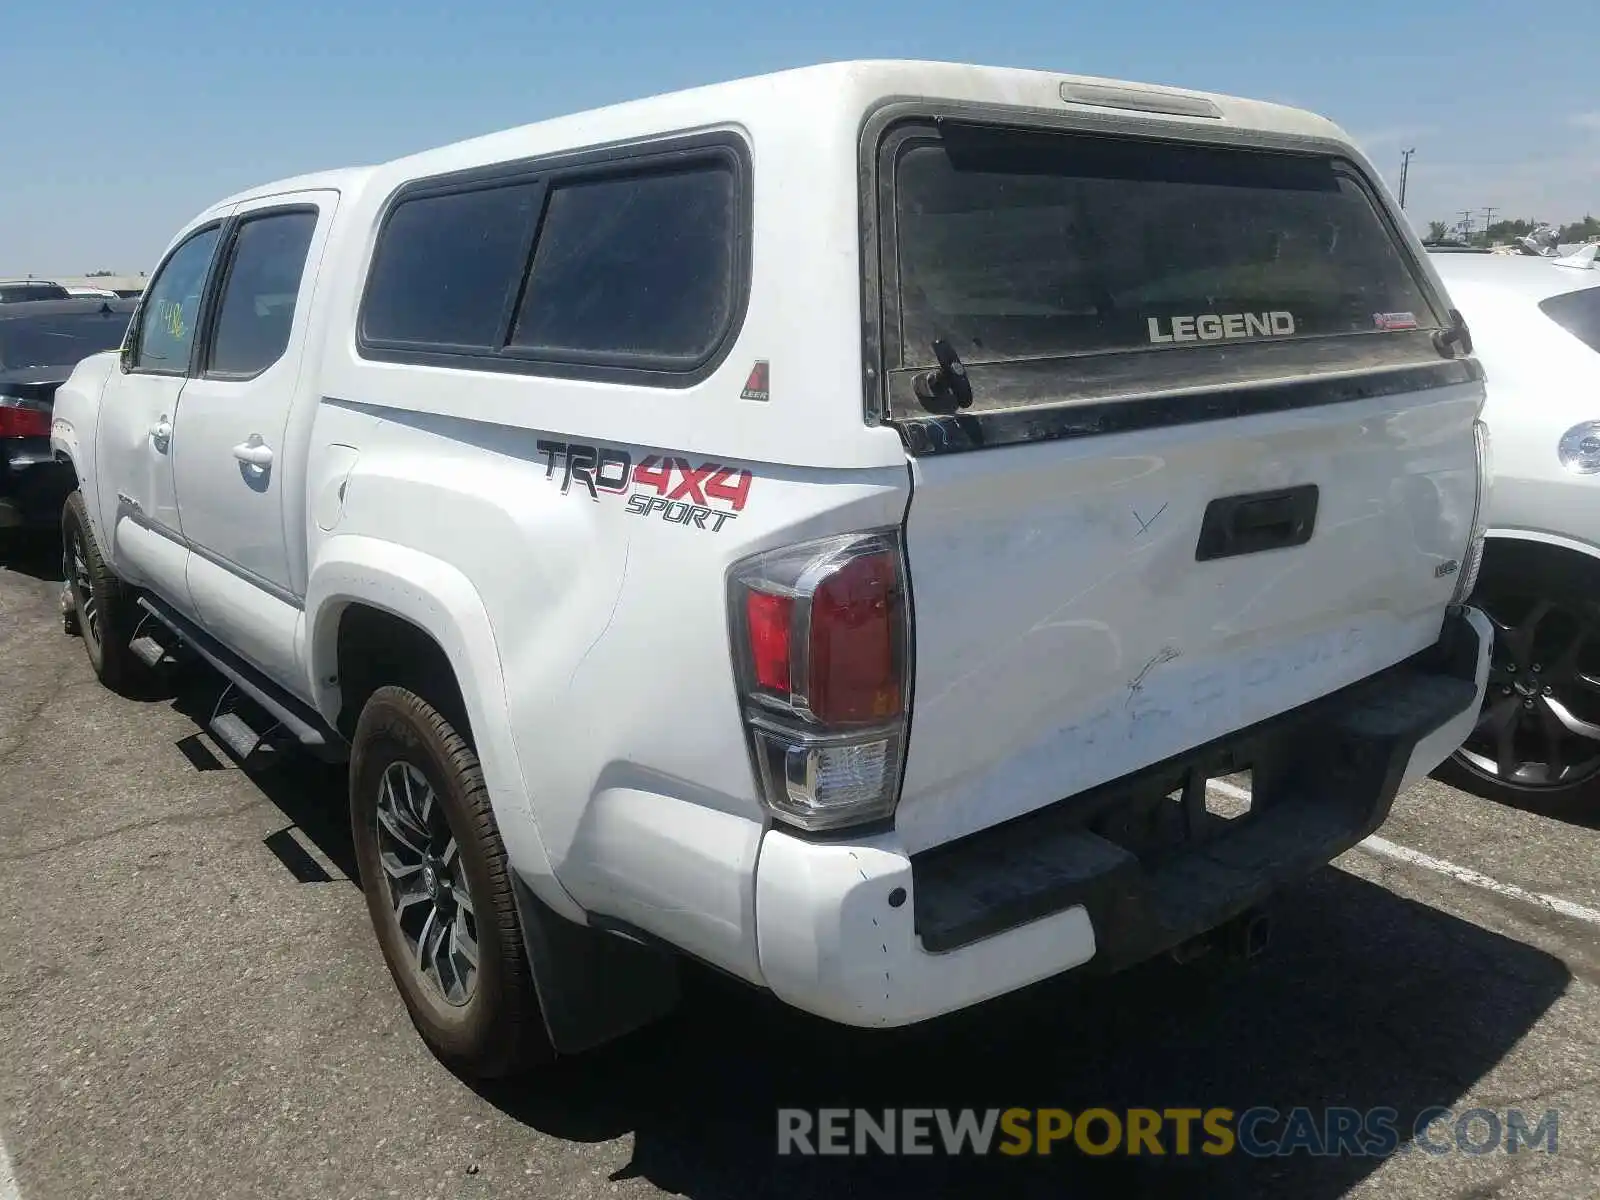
(625, 266)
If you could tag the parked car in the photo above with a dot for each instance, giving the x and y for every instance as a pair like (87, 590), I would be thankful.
(1536, 325)
(14, 291)
(845, 567)
(40, 343)
(80, 291)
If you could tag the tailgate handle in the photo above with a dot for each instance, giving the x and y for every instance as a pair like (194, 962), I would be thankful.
(1257, 521)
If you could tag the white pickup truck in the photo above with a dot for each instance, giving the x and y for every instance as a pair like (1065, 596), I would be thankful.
(830, 525)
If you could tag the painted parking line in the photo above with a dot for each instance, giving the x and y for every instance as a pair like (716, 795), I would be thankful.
(8, 1177)
(1384, 848)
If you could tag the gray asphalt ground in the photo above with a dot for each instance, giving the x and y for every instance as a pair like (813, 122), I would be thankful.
(192, 1005)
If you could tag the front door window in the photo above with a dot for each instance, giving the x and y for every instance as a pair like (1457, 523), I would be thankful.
(171, 307)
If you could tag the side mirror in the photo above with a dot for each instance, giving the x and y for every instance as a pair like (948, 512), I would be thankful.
(130, 340)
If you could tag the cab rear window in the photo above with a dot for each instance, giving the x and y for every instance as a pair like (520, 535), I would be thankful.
(1026, 245)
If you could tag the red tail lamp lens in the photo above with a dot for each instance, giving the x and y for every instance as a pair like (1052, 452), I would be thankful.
(855, 642)
(768, 620)
(23, 422)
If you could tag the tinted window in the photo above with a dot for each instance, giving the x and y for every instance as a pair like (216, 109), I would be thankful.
(447, 268)
(1578, 313)
(258, 297)
(635, 267)
(61, 339)
(167, 317)
(1016, 245)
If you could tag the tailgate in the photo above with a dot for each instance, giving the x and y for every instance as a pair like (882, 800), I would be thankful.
(1066, 635)
(1189, 450)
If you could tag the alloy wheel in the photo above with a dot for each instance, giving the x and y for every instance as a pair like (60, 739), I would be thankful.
(83, 589)
(1540, 724)
(426, 883)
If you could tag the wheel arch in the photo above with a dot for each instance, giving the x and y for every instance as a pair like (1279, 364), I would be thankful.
(1520, 566)
(68, 451)
(376, 647)
(71, 464)
(74, 422)
(361, 589)
(592, 985)
(1509, 548)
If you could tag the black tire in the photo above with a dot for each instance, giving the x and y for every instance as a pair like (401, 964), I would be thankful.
(104, 611)
(1546, 613)
(499, 1029)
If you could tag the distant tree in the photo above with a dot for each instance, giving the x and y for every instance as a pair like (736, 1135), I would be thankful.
(99, 274)
(1508, 231)
(1438, 231)
(1581, 231)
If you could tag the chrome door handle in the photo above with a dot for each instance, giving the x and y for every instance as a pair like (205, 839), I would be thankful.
(161, 433)
(254, 453)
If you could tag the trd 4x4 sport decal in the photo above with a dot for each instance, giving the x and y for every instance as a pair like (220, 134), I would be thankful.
(705, 497)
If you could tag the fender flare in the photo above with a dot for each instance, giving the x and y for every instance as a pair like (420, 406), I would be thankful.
(75, 433)
(66, 447)
(1557, 540)
(438, 599)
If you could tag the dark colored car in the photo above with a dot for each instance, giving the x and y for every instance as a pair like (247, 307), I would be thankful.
(41, 341)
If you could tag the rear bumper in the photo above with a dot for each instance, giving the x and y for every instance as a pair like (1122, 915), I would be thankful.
(33, 485)
(865, 934)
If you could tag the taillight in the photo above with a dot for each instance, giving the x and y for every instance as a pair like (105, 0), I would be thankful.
(767, 618)
(23, 418)
(854, 651)
(821, 639)
(1472, 560)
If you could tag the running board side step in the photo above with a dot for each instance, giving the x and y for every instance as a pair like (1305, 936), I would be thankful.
(294, 717)
(253, 748)
(148, 651)
(230, 729)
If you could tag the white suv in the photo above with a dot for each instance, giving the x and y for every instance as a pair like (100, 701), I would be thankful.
(830, 525)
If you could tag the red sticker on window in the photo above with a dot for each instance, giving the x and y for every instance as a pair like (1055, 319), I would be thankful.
(1393, 321)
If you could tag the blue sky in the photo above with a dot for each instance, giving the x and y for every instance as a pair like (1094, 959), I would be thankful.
(122, 119)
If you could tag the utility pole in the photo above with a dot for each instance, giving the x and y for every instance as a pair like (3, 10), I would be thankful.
(1466, 224)
(1405, 170)
(1488, 220)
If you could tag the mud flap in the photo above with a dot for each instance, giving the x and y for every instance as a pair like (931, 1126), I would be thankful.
(593, 986)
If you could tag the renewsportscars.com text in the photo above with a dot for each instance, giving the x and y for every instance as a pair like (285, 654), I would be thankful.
(1257, 1132)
